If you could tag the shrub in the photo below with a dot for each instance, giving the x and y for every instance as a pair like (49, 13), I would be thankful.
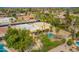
(70, 42)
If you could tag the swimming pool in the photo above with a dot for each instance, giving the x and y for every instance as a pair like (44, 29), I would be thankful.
(50, 35)
(77, 43)
(2, 48)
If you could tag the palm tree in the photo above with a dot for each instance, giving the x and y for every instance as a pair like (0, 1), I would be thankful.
(21, 38)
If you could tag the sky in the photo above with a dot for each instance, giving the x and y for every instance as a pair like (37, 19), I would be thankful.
(39, 3)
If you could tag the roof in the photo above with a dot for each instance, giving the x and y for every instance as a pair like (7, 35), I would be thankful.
(41, 25)
(6, 19)
(34, 26)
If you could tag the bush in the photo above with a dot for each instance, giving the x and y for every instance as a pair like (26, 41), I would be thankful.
(70, 42)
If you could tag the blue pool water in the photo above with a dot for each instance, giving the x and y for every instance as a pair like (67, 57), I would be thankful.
(50, 35)
(77, 43)
(2, 48)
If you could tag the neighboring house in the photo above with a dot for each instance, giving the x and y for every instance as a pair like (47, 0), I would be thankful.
(6, 20)
(24, 17)
(2, 14)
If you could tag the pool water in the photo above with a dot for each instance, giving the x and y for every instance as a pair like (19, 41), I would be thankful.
(77, 43)
(2, 48)
(50, 35)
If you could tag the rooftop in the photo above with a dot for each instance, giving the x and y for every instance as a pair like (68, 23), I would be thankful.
(34, 26)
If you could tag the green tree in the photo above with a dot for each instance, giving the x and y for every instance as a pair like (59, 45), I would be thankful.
(18, 39)
(70, 42)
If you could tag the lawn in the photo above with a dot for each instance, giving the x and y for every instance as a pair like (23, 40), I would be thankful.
(47, 44)
(50, 45)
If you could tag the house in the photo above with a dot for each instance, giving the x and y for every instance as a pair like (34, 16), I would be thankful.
(2, 14)
(33, 27)
(24, 17)
(6, 20)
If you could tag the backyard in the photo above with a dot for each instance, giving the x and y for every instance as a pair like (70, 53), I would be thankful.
(47, 44)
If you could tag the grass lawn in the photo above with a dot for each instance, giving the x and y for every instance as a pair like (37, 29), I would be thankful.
(50, 45)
